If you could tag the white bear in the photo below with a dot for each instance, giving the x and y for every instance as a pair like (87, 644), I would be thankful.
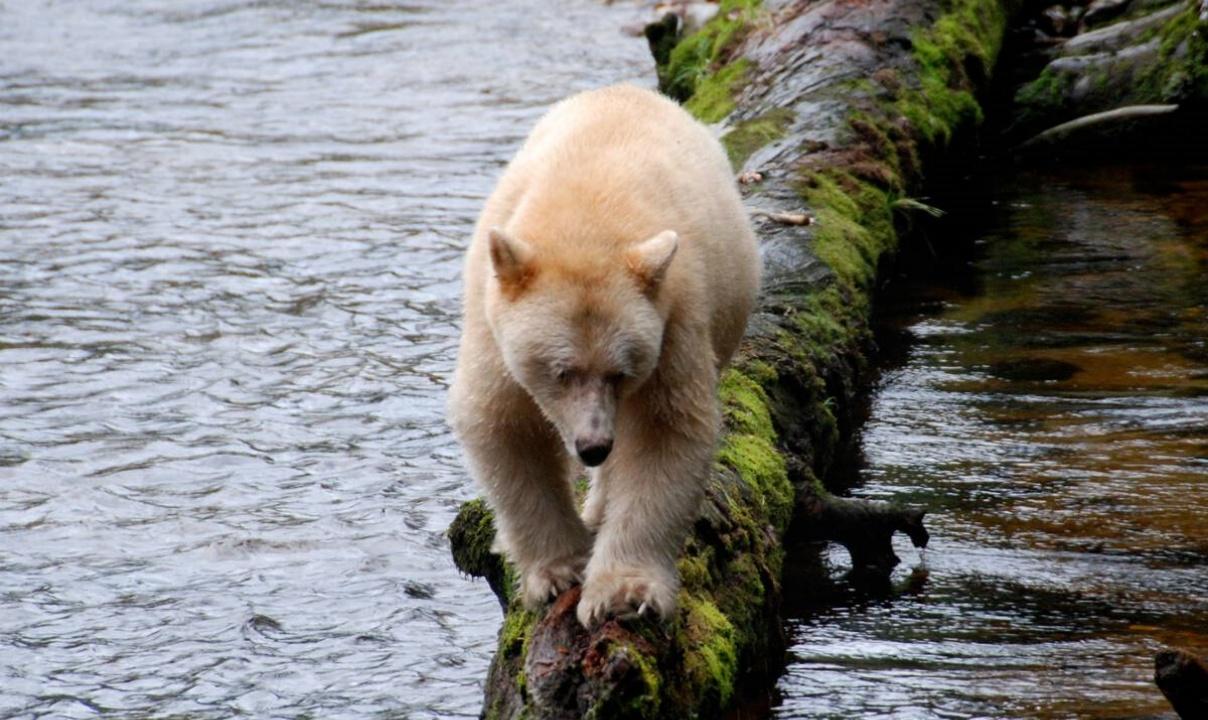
(608, 282)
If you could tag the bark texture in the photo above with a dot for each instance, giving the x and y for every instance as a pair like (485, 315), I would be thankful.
(832, 109)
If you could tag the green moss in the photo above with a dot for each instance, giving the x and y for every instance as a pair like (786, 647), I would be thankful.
(762, 467)
(943, 110)
(701, 54)
(821, 190)
(970, 32)
(644, 704)
(869, 129)
(739, 511)
(748, 136)
(749, 445)
(694, 572)
(854, 225)
(1178, 31)
(1048, 90)
(761, 372)
(713, 97)
(710, 657)
(516, 632)
(745, 584)
(640, 698)
(1182, 74)
(884, 162)
(471, 534)
(828, 333)
(821, 334)
(845, 245)
(514, 638)
(957, 52)
(745, 405)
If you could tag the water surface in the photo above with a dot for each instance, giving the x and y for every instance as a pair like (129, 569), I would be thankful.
(230, 239)
(1051, 410)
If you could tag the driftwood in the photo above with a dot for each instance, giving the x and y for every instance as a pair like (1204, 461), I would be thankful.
(1183, 679)
(864, 528)
(831, 110)
(1103, 125)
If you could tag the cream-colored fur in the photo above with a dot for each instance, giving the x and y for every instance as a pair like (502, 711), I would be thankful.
(609, 280)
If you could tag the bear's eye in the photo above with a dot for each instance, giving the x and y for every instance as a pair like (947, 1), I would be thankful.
(563, 375)
(614, 378)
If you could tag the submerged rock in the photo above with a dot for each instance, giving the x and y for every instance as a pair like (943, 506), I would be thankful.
(1034, 369)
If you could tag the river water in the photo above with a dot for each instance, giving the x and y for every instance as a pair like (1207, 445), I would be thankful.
(230, 238)
(1050, 407)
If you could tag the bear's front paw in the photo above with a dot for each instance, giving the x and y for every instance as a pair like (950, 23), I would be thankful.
(627, 591)
(544, 581)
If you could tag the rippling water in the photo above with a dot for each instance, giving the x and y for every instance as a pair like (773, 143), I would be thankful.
(230, 237)
(1052, 412)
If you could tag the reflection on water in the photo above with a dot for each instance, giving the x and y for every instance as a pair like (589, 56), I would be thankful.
(230, 238)
(1054, 418)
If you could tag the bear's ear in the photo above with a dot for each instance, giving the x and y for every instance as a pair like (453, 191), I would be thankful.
(649, 259)
(512, 259)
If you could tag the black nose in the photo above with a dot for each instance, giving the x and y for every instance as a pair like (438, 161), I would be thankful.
(592, 454)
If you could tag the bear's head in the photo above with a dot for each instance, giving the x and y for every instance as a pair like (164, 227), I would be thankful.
(580, 336)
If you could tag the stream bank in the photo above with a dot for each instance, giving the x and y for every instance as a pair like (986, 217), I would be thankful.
(1118, 79)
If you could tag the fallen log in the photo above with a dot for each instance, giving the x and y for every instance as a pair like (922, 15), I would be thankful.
(833, 110)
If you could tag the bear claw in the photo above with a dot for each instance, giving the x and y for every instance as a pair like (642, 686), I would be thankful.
(547, 581)
(625, 594)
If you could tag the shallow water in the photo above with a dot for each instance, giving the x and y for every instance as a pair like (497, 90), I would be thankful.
(1050, 407)
(230, 238)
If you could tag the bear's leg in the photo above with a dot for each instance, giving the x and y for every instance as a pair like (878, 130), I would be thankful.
(527, 477)
(655, 485)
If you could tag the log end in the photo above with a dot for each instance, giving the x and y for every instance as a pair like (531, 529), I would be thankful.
(471, 536)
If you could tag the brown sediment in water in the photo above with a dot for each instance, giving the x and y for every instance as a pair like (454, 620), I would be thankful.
(1057, 421)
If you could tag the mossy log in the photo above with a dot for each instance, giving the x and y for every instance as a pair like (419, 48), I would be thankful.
(834, 109)
(1152, 54)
